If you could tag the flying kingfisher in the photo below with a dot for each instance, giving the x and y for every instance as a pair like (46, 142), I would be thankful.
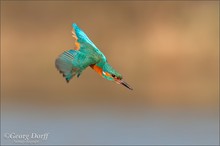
(84, 54)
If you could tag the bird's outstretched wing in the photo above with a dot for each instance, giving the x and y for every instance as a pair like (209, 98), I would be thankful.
(85, 45)
(73, 62)
(85, 53)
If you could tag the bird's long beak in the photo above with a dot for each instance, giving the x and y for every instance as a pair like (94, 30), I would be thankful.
(124, 84)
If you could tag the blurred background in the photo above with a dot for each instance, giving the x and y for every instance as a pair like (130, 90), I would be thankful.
(167, 51)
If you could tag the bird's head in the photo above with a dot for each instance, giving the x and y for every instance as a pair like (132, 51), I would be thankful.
(112, 75)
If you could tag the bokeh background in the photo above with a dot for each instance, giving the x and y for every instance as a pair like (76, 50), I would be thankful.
(167, 51)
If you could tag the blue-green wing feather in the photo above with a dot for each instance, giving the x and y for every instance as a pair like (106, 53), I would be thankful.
(86, 45)
(72, 62)
(83, 39)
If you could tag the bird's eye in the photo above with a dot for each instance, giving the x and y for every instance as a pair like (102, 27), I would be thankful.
(113, 76)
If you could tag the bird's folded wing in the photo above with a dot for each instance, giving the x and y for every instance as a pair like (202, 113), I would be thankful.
(73, 62)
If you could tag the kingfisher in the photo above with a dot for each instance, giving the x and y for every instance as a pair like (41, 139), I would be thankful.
(85, 54)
